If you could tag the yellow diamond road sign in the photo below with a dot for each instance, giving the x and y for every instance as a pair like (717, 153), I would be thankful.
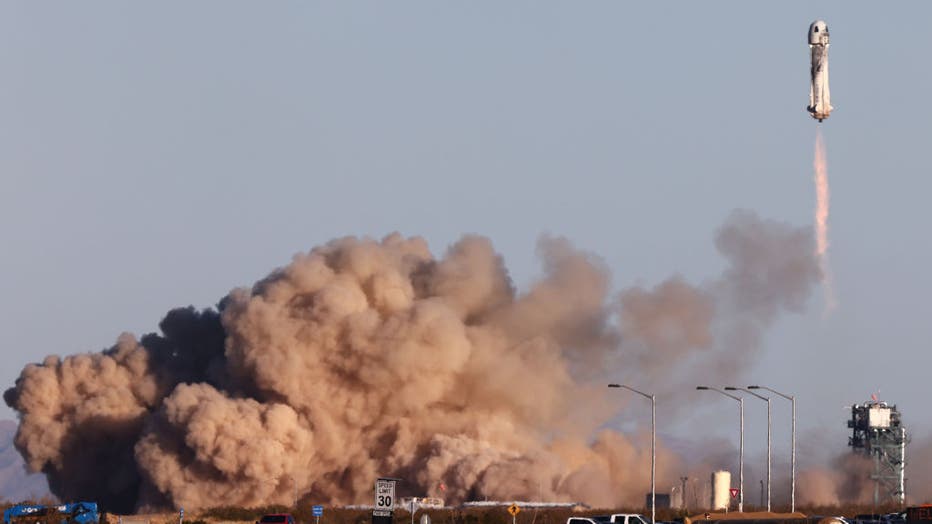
(513, 509)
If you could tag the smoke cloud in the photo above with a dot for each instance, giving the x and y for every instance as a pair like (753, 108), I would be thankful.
(363, 358)
(845, 481)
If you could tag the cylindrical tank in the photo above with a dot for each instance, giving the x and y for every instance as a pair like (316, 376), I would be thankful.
(721, 484)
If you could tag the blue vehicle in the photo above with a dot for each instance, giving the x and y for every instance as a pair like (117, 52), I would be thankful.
(70, 513)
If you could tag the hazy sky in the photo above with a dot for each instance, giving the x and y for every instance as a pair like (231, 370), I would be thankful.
(158, 154)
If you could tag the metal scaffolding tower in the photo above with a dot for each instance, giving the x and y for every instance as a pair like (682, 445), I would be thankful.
(878, 432)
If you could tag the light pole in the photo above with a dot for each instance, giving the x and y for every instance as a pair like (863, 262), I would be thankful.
(792, 400)
(769, 441)
(740, 441)
(683, 481)
(653, 446)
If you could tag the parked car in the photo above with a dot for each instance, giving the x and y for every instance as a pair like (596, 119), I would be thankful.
(895, 518)
(868, 518)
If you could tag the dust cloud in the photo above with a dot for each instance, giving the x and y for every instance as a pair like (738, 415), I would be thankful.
(365, 357)
(846, 480)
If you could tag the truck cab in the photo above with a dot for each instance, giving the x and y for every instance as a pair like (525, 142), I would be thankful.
(628, 518)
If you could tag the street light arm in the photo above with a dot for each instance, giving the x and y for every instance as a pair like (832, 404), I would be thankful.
(748, 391)
(710, 388)
(629, 388)
(767, 399)
(775, 392)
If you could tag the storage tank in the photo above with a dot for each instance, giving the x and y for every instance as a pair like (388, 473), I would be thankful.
(721, 486)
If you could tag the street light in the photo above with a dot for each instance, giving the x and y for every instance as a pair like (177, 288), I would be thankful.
(767, 399)
(653, 446)
(740, 441)
(792, 400)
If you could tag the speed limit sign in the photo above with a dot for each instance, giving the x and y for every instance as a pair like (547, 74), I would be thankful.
(384, 498)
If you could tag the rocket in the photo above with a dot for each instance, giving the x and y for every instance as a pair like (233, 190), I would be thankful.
(820, 103)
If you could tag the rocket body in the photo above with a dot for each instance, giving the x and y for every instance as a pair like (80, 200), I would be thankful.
(820, 100)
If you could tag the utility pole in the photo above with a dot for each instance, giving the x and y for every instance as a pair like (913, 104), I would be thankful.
(683, 492)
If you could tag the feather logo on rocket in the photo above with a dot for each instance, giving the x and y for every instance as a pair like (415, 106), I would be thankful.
(820, 103)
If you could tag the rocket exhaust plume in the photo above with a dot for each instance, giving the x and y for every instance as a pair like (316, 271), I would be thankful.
(820, 165)
(366, 357)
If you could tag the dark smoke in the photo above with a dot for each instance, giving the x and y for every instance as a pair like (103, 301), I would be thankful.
(364, 358)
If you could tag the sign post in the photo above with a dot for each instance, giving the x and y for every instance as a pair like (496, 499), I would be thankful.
(383, 510)
(317, 511)
(514, 509)
(181, 516)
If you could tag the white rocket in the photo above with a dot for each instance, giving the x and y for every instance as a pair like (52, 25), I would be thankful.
(820, 102)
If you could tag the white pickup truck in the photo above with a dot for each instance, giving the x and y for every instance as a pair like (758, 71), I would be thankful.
(628, 518)
(615, 518)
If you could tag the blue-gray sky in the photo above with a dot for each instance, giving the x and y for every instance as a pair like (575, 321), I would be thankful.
(158, 154)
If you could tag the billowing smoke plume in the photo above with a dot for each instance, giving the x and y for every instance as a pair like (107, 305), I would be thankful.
(364, 358)
(845, 481)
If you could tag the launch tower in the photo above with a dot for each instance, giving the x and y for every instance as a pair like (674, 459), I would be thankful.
(876, 430)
